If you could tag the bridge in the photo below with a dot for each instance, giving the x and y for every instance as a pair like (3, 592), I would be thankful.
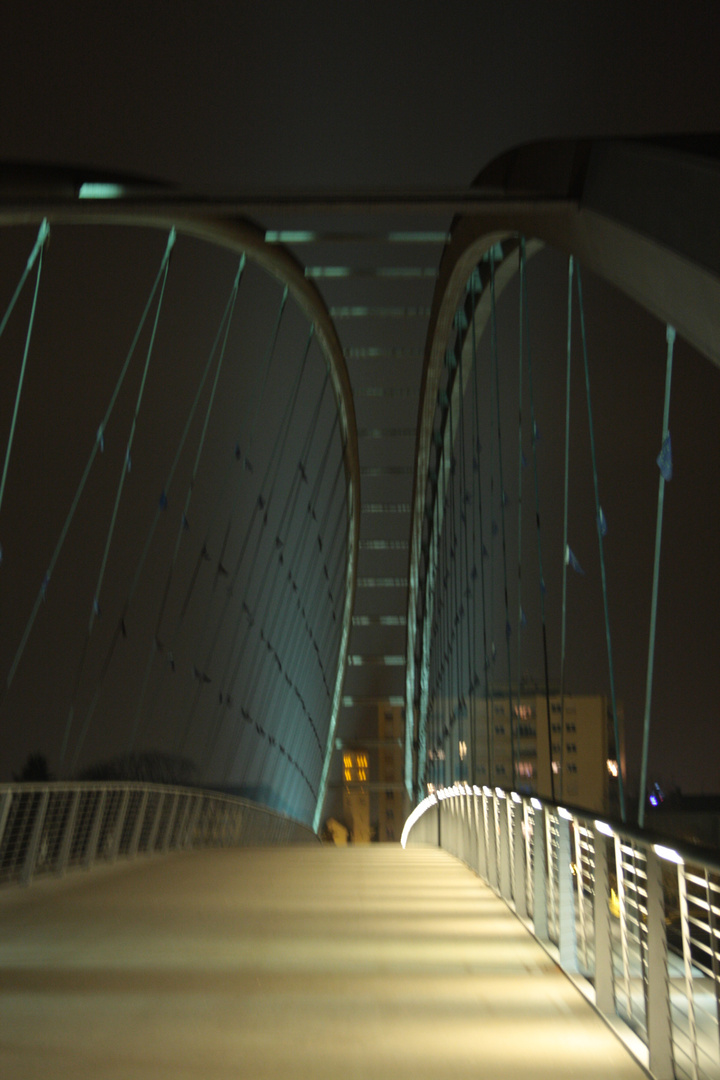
(219, 594)
(315, 450)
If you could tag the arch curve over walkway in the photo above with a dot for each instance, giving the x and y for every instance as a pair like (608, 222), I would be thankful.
(635, 213)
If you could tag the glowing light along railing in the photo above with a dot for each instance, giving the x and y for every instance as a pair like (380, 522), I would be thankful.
(649, 949)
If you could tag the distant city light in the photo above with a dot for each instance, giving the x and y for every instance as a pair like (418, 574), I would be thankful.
(612, 767)
(656, 796)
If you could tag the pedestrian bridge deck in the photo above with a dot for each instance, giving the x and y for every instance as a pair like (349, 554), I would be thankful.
(286, 962)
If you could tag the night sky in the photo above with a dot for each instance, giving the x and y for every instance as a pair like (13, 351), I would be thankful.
(237, 99)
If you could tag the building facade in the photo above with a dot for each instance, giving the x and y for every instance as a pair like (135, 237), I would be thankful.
(585, 763)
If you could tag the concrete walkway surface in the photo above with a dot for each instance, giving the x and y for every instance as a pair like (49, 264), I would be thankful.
(301, 962)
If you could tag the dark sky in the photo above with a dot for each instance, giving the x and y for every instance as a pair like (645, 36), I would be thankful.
(275, 96)
(238, 98)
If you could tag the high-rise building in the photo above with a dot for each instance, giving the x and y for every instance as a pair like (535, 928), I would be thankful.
(356, 795)
(585, 763)
(392, 808)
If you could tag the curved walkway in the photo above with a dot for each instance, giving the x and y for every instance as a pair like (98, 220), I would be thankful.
(286, 962)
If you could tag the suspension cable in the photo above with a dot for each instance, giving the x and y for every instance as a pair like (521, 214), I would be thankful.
(565, 515)
(534, 440)
(475, 280)
(503, 501)
(665, 465)
(599, 522)
(98, 446)
(37, 253)
(124, 470)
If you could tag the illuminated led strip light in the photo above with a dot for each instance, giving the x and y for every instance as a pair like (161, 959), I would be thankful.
(389, 660)
(360, 311)
(393, 272)
(386, 508)
(379, 620)
(306, 236)
(383, 545)
(382, 583)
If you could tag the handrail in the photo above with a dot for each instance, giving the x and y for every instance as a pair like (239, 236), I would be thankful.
(632, 917)
(52, 827)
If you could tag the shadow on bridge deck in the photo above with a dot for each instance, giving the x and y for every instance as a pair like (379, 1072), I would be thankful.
(294, 962)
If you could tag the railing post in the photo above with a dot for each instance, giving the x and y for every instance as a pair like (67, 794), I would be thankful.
(604, 986)
(5, 800)
(137, 828)
(34, 843)
(504, 844)
(225, 839)
(620, 874)
(165, 845)
(491, 839)
(527, 840)
(473, 850)
(180, 832)
(687, 960)
(658, 994)
(580, 891)
(91, 851)
(155, 824)
(480, 837)
(567, 932)
(540, 884)
(192, 822)
(519, 890)
(240, 826)
(119, 825)
(66, 843)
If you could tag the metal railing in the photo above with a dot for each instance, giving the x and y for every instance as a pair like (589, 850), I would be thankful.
(634, 921)
(50, 828)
